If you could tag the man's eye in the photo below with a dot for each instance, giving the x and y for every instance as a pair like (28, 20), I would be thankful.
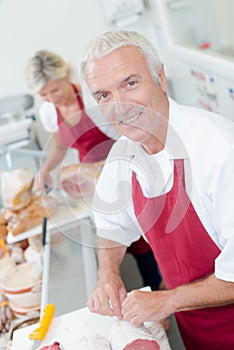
(103, 96)
(131, 82)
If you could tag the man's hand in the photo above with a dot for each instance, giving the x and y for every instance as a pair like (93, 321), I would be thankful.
(107, 297)
(110, 292)
(140, 306)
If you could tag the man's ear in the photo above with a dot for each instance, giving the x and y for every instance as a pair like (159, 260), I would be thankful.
(162, 78)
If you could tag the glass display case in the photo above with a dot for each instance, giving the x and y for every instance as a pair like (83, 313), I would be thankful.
(197, 36)
(204, 25)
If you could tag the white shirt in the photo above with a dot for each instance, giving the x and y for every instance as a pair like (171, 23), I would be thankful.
(49, 119)
(206, 143)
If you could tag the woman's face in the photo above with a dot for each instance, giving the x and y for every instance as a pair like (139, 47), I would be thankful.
(56, 91)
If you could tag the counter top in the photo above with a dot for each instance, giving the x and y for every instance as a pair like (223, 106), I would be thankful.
(68, 329)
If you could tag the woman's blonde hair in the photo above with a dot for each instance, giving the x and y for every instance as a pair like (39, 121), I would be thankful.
(44, 66)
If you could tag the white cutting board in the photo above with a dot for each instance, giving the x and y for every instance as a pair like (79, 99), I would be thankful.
(68, 329)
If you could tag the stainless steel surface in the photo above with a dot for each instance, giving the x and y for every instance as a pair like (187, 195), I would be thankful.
(67, 288)
(46, 270)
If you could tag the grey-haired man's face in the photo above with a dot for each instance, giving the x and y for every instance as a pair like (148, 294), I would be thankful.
(124, 89)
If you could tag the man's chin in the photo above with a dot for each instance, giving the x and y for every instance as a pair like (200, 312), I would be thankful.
(139, 137)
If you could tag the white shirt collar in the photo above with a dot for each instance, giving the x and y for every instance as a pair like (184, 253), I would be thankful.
(174, 146)
(155, 172)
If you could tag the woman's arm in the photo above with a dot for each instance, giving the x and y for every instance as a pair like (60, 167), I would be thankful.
(56, 154)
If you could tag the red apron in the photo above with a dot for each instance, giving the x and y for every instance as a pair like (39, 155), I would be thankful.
(85, 136)
(139, 247)
(184, 252)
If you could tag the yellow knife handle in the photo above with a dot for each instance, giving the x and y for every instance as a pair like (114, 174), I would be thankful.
(40, 332)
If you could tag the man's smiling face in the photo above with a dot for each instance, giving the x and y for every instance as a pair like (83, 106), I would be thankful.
(124, 89)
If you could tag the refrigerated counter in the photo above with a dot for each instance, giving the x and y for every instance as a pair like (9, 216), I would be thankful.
(70, 257)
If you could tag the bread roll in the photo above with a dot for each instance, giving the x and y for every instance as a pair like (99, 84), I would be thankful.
(3, 225)
(16, 188)
(31, 216)
(3, 231)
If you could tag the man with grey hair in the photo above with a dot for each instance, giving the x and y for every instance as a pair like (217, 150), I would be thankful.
(67, 114)
(168, 178)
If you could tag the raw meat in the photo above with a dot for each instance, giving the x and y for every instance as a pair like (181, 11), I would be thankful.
(124, 336)
(142, 344)
(54, 346)
(79, 180)
(97, 342)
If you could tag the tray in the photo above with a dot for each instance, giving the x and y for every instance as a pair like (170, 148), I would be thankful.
(65, 214)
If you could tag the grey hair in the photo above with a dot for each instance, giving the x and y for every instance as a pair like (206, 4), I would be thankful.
(44, 66)
(110, 41)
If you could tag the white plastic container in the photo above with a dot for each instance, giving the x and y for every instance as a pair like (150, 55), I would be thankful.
(21, 287)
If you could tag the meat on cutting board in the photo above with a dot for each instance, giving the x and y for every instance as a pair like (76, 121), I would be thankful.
(124, 336)
(54, 346)
(96, 342)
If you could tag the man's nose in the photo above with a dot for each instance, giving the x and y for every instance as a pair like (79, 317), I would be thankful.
(116, 109)
(120, 103)
(117, 96)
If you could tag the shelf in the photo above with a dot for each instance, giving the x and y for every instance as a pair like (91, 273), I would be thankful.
(206, 59)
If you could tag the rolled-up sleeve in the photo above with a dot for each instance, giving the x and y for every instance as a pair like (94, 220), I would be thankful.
(112, 204)
(48, 116)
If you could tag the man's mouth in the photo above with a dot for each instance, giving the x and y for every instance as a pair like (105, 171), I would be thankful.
(131, 119)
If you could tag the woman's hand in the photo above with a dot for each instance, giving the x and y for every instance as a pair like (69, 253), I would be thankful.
(42, 182)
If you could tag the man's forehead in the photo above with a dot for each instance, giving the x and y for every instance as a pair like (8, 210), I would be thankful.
(120, 54)
(123, 51)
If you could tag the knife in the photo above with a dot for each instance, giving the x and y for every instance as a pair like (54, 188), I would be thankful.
(39, 333)
(47, 312)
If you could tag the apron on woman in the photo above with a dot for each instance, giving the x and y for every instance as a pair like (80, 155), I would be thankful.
(185, 253)
(93, 145)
